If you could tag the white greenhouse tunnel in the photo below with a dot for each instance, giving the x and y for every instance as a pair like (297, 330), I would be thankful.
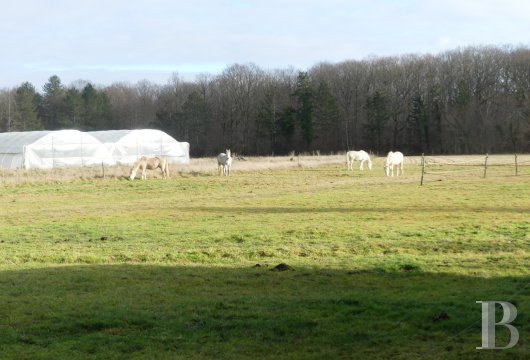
(74, 148)
(127, 146)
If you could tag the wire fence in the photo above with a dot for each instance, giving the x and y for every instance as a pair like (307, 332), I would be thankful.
(432, 167)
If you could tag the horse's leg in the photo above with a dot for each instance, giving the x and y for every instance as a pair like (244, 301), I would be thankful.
(163, 169)
(144, 176)
(362, 162)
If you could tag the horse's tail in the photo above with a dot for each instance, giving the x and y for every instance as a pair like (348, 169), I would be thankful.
(166, 165)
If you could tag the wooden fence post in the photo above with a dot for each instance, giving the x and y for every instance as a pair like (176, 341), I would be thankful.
(485, 165)
(516, 169)
(422, 168)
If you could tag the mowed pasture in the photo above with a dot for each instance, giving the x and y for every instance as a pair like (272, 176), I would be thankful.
(103, 267)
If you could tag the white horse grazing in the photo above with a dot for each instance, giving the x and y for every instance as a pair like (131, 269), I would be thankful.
(361, 156)
(151, 164)
(393, 159)
(224, 162)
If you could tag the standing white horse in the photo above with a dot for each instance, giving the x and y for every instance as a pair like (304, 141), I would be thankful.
(361, 156)
(393, 159)
(151, 164)
(224, 162)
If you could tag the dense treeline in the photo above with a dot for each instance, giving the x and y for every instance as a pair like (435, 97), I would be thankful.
(471, 100)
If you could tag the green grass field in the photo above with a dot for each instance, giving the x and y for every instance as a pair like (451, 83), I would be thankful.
(383, 268)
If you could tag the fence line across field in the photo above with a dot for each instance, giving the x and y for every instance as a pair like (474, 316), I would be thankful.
(481, 164)
(448, 161)
(454, 171)
(444, 166)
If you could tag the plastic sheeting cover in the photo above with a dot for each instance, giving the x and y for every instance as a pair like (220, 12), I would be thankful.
(126, 146)
(51, 149)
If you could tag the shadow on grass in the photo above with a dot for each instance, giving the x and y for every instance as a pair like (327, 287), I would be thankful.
(143, 311)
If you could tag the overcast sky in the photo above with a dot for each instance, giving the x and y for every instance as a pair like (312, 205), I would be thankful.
(130, 40)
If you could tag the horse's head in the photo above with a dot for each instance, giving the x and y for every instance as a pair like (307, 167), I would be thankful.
(133, 174)
(387, 163)
(228, 153)
(386, 166)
